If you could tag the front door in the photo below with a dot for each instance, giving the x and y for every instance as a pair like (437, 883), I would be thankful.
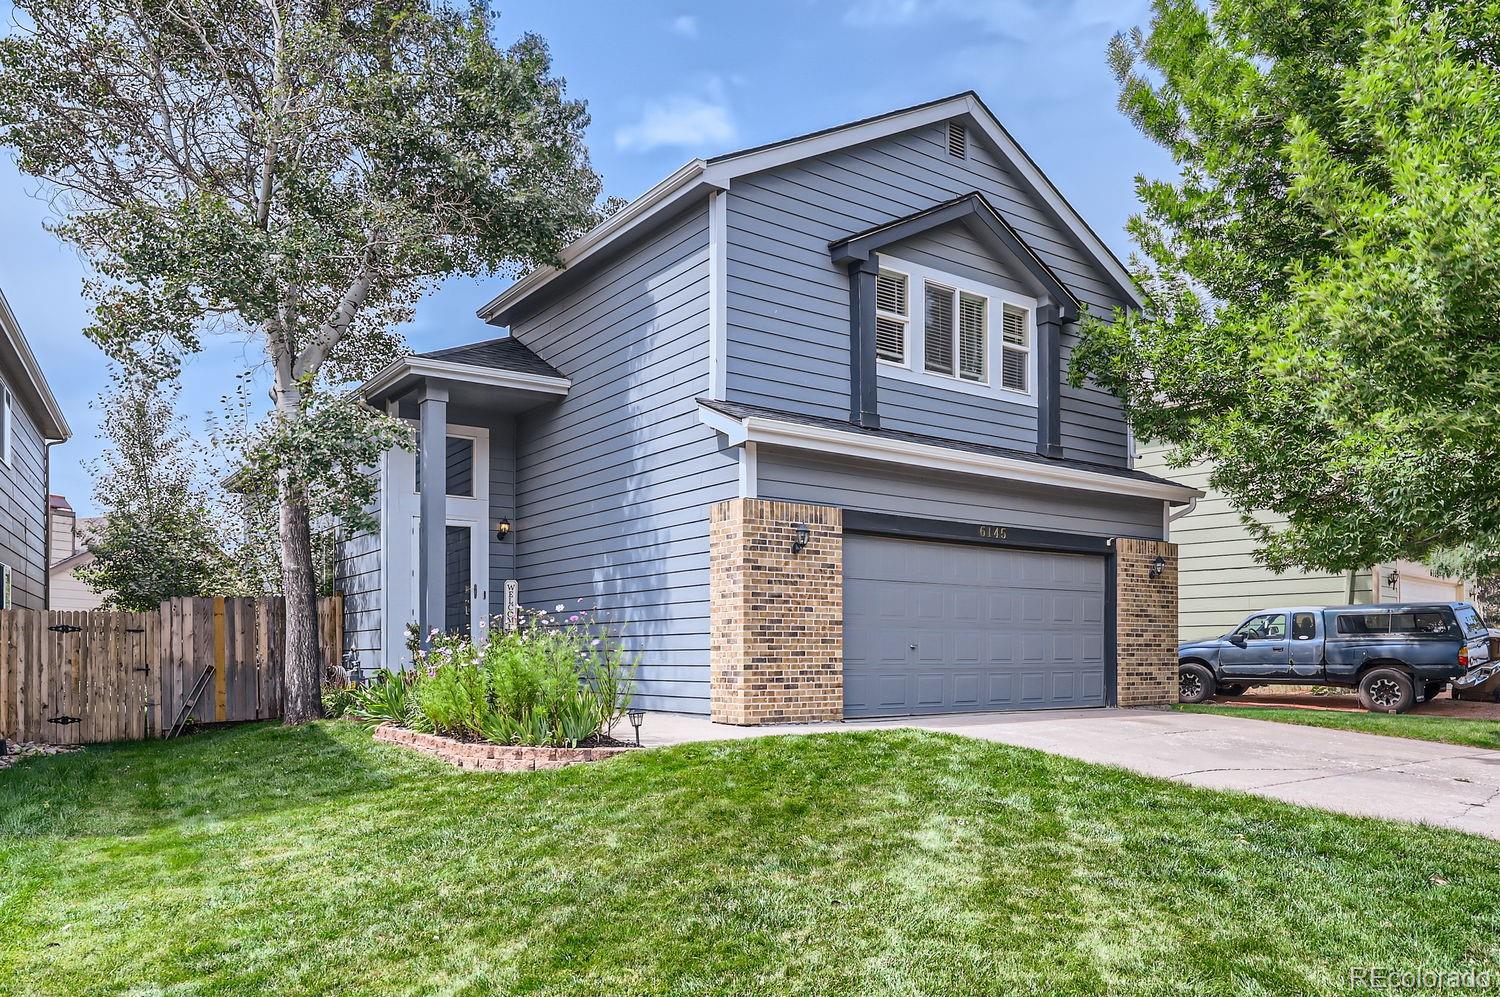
(465, 541)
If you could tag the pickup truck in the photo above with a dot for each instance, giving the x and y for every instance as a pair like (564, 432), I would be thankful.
(1392, 654)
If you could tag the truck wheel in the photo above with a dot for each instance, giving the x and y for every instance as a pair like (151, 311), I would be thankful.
(1194, 683)
(1386, 690)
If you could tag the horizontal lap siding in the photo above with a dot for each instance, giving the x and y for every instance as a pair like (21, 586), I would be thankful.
(356, 574)
(23, 514)
(614, 482)
(927, 494)
(1219, 580)
(788, 306)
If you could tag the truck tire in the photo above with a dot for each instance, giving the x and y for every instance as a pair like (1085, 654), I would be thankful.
(1386, 690)
(1195, 683)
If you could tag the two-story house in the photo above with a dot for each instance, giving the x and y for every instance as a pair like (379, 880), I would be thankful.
(797, 423)
(30, 424)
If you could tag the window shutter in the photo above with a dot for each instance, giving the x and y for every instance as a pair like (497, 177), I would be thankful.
(937, 352)
(890, 316)
(1014, 349)
(958, 140)
(972, 345)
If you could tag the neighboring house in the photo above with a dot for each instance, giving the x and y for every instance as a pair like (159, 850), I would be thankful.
(30, 423)
(69, 551)
(797, 423)
(1221, 583)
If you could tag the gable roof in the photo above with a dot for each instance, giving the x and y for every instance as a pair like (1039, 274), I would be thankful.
(503, 353)
(26, 377)
(975, 211)
(693, 180)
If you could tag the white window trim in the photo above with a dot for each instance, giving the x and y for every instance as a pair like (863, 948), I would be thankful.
(7, 423)
(905, 320)
(917, 278)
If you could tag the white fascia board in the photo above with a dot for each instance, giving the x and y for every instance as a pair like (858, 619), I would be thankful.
(468, 373)
(681, 185)
(32, 371)
(799, 436)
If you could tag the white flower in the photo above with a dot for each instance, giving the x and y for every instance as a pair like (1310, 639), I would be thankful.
(560, 608)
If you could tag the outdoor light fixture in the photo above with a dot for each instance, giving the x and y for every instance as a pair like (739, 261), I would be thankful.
(636, 717)
(1158, 566)
(800, 544)
(502, 529)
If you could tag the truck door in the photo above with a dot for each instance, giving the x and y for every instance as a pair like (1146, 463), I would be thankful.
(1257, 650)
(1305, 649)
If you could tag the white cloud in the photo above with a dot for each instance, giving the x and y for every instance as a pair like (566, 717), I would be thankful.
(701, 122)
(685, 25)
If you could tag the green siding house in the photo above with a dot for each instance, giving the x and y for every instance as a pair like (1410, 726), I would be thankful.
(1220, 583)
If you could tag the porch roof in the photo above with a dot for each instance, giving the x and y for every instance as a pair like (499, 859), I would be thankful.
(498, 374)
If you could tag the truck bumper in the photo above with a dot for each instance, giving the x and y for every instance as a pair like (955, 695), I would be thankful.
(1475, 676)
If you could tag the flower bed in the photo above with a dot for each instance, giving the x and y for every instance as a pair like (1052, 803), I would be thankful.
(485, 757)
(550, 691)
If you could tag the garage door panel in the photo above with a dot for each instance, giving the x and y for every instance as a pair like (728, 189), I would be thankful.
(932, 627)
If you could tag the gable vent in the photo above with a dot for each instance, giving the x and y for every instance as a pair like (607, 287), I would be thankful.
(958, 140)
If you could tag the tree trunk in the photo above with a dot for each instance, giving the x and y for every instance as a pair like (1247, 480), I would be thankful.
(302, 690)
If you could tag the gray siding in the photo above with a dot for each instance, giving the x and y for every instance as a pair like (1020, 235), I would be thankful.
(502, 506)
(616, 479)
(23, 510)
(356, 573)
(788, 307)
(933, 495)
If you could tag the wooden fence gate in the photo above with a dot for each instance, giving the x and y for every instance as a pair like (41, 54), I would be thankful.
(87, 677)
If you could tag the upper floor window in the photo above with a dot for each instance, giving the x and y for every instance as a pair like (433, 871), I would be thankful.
(970, 336)
(891, 316)
(7, 420)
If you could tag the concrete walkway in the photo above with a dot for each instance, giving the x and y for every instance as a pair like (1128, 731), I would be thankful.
(1365, 774)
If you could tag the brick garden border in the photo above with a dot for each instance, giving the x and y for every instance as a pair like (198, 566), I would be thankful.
(483, 757)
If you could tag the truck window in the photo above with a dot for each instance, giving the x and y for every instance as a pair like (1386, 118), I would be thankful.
(1468, 618)
(1361, 624)
(1304, 626)
(1266, 626)
(1423, 622)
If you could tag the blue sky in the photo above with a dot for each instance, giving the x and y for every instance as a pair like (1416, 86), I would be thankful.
(669, 81)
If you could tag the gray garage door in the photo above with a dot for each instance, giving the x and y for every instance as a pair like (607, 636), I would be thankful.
(950, 628)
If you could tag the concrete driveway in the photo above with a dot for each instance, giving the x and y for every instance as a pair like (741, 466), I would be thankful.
(1365, 774)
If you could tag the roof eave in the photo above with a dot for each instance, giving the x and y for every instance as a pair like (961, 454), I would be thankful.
(679, 186)
(497, 377)
(53, 424)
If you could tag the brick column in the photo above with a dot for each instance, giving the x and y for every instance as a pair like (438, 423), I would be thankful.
(776, 618)
(1145, 623)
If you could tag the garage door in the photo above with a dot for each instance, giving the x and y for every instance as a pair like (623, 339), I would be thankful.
(949, 628)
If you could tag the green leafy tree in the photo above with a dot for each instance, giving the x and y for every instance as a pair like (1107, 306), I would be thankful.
(1324, 274)
(296, 171)
(158, 538)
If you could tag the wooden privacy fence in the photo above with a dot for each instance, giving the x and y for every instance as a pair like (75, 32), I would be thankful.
(87, 677)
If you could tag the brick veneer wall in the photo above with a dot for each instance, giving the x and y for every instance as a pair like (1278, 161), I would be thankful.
(492, 757)
(1145, 623)
(776, 619)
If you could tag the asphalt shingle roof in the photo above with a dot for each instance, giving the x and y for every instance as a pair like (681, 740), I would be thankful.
(504, 353)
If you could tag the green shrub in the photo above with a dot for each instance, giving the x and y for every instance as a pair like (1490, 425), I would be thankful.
(555, 682)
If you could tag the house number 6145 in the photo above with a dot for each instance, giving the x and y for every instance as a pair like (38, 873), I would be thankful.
(992, 532)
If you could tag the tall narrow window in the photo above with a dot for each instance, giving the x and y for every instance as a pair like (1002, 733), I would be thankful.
(1015, 349)
(6, 421)
(891, 316)
(973, 337)
(937, 332)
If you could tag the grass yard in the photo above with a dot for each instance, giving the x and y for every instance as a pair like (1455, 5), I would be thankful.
(1449, 730)
(314, 861)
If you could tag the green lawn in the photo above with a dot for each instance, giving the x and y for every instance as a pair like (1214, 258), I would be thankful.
(1449, 730)
(313, 861)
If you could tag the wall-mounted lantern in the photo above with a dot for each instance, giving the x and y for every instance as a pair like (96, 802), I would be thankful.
(800, 543)
(1158, 566)
(502, 529)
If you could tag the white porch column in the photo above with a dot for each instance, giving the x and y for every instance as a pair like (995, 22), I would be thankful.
(432, 457)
